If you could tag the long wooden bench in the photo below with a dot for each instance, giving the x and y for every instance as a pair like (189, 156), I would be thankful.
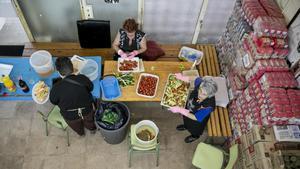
(218, 125)
(69, 49)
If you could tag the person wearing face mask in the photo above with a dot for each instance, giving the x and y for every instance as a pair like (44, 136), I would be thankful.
(200, 104)
(129, 42)
(73, 96)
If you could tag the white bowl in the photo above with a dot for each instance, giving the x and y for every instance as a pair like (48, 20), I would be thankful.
(146, 123)
(35, 98)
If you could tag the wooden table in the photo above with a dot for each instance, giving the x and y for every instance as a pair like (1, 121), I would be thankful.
(159, 68)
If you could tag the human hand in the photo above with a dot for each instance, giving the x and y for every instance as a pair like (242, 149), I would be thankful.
(180, 110)
(133, 54)
(122, 54)
(181, 77)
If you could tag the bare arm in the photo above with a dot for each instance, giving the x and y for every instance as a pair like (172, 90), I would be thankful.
(116, 43)
(143, 45)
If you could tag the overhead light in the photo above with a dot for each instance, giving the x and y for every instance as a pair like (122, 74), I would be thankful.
(111, 1)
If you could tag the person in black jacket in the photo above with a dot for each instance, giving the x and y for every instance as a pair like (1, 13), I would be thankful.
(200, 104)
(73, 96)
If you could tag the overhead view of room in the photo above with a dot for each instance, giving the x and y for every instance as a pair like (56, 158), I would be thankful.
(145, 84)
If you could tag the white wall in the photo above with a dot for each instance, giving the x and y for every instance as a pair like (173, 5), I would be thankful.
(165, 21)
(216, 17)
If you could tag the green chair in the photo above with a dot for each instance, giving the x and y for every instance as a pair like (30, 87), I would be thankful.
(135, 146)
(210, 157)
(55, 118)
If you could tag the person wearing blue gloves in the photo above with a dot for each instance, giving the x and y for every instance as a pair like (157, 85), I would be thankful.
(200, 104)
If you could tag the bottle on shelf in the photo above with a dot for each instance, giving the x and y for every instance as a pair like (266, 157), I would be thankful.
(23, 86)
(8, 83)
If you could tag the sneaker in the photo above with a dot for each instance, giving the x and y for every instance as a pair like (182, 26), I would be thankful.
(190, 139)
(180, 127)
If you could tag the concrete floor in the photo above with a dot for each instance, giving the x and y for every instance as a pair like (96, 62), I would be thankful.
(24, 145)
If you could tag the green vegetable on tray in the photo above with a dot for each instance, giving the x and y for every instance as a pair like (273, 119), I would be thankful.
(110, 116)
(126, 79)
(176, 92)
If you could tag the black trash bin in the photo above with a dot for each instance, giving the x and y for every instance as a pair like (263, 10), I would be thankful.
(113, 136)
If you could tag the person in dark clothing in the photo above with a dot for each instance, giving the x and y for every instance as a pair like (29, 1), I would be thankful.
(130, 41)
(200, 104)
(73, 96)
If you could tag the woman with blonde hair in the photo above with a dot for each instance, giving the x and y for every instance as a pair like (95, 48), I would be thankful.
(129, 42)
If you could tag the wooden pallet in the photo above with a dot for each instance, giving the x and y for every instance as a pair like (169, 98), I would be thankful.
(218, 125)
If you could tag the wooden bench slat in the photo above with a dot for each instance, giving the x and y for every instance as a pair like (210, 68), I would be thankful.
(220, 110)
(219, 113)
(207, 61)
(212, 61)
(200, 66)
(208, 70)
(203, 66)
(215, 114)
(203, 63)
(228, 126)
(222, 121)
(52, 45)
(217, 63)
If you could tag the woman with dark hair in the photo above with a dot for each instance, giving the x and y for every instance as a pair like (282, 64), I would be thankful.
(73, 96)
(130, 41)
(200, 104)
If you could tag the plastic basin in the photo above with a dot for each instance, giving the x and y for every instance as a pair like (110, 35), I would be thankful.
(41, 61)
(149, 124)
(90, 69)
(110, 88)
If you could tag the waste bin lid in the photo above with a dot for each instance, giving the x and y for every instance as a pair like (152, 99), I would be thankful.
(110, 88)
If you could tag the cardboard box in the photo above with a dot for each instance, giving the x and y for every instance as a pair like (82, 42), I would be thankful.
(247, 155)
(249, 165)
(260, 134)
(240, 164)
(277, 160)
(261, 150)
(264, 163)
(243, 142)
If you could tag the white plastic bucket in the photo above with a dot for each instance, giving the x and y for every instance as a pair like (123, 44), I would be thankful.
(146, 123)
(90, 69)
(41, 61)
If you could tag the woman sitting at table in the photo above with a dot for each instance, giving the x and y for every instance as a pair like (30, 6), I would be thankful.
(73, 96)
(200, 104)
(130, 41)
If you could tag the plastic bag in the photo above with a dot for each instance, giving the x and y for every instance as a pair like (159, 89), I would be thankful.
(115, 107)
